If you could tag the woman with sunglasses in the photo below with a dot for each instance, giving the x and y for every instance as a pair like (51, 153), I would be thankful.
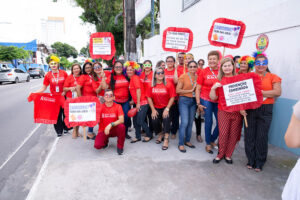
(161, 97)
(56, 78)
(187, 105)
(120, 86)
(259, 119)
(246, 64)
(136, 89)
(70, 89)
(161, 64)
(99, 84)
(85, 88)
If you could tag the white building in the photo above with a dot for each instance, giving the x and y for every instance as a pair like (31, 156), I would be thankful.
(279, 19)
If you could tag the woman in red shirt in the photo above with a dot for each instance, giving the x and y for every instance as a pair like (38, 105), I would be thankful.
(120, 85)
(259, 119)
(85, 88)
(70, 89)
(246, 64)
(206, 79)
(161, 97)
(230, 123)
(136, 89)
(56, 78)
(100, 81)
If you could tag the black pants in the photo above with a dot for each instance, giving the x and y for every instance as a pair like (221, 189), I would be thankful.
(149, 120)
(198, 125)
(174, 113)
(60, 125)
(160, 121)
(256, 135)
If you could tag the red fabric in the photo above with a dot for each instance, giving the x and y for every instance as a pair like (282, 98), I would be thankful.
(96, 84)
(121, 90)
(46, 107)
(161, 94)
(252, 105)
(174, 29)
(230, 22)
(146, 80)
(113, 48)
(135, 83)
(83, 99)
(109, 115)
(169, 76)
(71, 81)
(181, 70)
(117, 131)
(132, 112)
(50, 80)
(206, 79)
(87, 85)
(198, 71)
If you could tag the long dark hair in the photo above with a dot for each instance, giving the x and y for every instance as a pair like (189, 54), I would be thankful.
(83, 68)
(112, 79)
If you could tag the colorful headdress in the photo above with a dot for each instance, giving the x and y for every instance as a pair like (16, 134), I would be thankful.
(54, 58)
(134, 65)
(89, 60)
(258, 53)
(250, 61)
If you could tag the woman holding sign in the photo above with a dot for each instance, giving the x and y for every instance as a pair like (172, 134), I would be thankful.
(205, 81)
(259, 120)
(230, 123)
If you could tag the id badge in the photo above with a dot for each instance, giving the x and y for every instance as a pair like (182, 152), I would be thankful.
(57, 89)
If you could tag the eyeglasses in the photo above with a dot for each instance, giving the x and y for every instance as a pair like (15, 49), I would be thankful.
(108, 95)
(193, 66)
(160, 73)
(263, 63)
(147, 65)
(170, 61)
(118, 67)
(53, 63)
(97, 67)
(200, 63)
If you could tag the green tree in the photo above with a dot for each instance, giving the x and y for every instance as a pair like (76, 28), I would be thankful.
(11, 53)
(85, 51)
(65, 63)
(65, 50)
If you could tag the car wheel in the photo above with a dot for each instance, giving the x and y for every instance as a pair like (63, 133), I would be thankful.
(16, 80)
(28, 79)
(0, 83)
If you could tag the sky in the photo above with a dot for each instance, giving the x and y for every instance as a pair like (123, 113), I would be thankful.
(20, 21)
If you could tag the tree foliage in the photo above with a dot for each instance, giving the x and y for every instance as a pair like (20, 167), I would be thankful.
(65, 50)
(85, 51)
(11, 53)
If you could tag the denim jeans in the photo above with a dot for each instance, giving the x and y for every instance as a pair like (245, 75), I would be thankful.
(211, 108)
(187, 110)
(139, 122)
(126, 108)
(91, 129)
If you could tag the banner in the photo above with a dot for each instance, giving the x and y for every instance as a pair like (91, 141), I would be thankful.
(177, 39)
(82, 111)
(227, 33)
(241, 92)
(102, 45)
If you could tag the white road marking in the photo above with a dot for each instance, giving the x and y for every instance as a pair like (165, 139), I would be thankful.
(33, 189)
(23, 142)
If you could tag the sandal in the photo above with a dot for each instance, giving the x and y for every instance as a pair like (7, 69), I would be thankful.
(189, 145)
(249, 166)
(199, 138)
(182, 150)
(166, 143)
(208, 149)
(147, 139)
(159, 139)
(135, 140)
(258, 169)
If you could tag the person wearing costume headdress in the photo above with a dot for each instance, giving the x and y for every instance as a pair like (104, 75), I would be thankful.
(246, 64)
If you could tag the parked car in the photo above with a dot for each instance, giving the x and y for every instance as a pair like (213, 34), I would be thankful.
(13, 75)
(36, 72)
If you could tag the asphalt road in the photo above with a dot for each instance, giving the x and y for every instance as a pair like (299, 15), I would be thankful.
(23, 144)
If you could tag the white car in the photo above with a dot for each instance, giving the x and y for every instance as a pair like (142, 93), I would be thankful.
(13, 75)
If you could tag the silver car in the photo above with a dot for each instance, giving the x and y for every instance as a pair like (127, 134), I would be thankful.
(13, 75)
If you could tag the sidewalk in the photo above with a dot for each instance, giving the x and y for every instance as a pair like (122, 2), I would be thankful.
(77, 171)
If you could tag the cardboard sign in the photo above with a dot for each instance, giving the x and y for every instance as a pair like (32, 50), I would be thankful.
(227, 33)
(102, 45)
(241, 92)
(177, 39)
(262, 43)
(82, 111)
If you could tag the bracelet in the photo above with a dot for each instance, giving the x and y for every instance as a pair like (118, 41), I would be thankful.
(167, 109)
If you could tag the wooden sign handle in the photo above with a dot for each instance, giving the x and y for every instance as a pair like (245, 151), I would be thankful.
(246, 122)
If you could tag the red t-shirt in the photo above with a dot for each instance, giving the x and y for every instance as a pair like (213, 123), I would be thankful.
(86, 81)
(96, 84)
(135, 83)
(198, 71)
(54, 80)
(109, 115)
(161, 94)
(46, 107)
(146, 80)
(169, 75)
(207, 79)
(71, 81)
(180, 70)
(121, 90)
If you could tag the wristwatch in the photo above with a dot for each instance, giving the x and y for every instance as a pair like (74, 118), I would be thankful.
(112, 124)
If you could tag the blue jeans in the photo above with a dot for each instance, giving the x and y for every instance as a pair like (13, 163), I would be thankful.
(211, 108)
(91, 129)
(187, 110)
(126, 108)
(139, 122)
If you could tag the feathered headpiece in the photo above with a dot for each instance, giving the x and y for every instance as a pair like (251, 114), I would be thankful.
(54, 58)
(258, 53)
(248, 59)
(89, 60)
(134, 65)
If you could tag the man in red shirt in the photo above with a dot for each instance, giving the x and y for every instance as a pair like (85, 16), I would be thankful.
(111, 123)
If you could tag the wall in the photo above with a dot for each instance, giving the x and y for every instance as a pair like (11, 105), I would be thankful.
(279, 19)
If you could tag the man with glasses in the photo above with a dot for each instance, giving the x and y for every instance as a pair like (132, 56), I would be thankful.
(111, 123)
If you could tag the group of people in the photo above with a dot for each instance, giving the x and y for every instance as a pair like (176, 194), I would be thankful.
(177, 88)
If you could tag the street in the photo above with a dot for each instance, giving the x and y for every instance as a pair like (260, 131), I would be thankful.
(24, 144)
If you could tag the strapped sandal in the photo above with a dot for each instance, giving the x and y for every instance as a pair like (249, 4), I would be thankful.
(159, 139)
(164, 147)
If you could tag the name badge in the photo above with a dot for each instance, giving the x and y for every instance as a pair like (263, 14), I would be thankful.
(57, 89)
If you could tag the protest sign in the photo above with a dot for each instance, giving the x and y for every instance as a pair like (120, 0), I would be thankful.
(227, 33)
(177, 39)
(262, 43)
(102, 45)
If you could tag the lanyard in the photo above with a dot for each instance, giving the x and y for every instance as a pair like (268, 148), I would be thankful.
(91, 79)
(55, 79)
(213, 73)
(192, 82)
(75, 82)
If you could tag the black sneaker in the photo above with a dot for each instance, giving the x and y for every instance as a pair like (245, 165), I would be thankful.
(66, 132)
(120, 151)
(127, 136)
(59, 135)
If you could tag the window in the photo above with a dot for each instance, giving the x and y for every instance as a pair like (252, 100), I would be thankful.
(188, 3)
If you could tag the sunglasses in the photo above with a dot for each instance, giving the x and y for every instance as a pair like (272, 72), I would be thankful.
(108, 95)
(263, 63)
(118, 67)
(193, 66)
(147, 65)
(160, 73)
(97, 67)
(52, 63)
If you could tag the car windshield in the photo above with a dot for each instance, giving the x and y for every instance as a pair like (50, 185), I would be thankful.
(5, 70)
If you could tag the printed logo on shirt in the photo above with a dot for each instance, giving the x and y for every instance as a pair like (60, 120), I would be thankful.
(59, 79)
(47, 99)
(169, 76)
(121, 81)
(108, 115)
(210, 77)
(159, 90)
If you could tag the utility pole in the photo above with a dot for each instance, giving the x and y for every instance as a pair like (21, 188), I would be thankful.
(152, 18)
(130, 32)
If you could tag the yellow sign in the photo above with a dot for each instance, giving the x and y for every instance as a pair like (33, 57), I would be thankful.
(98, 40)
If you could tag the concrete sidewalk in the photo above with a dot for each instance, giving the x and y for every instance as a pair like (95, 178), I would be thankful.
(78, 171)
